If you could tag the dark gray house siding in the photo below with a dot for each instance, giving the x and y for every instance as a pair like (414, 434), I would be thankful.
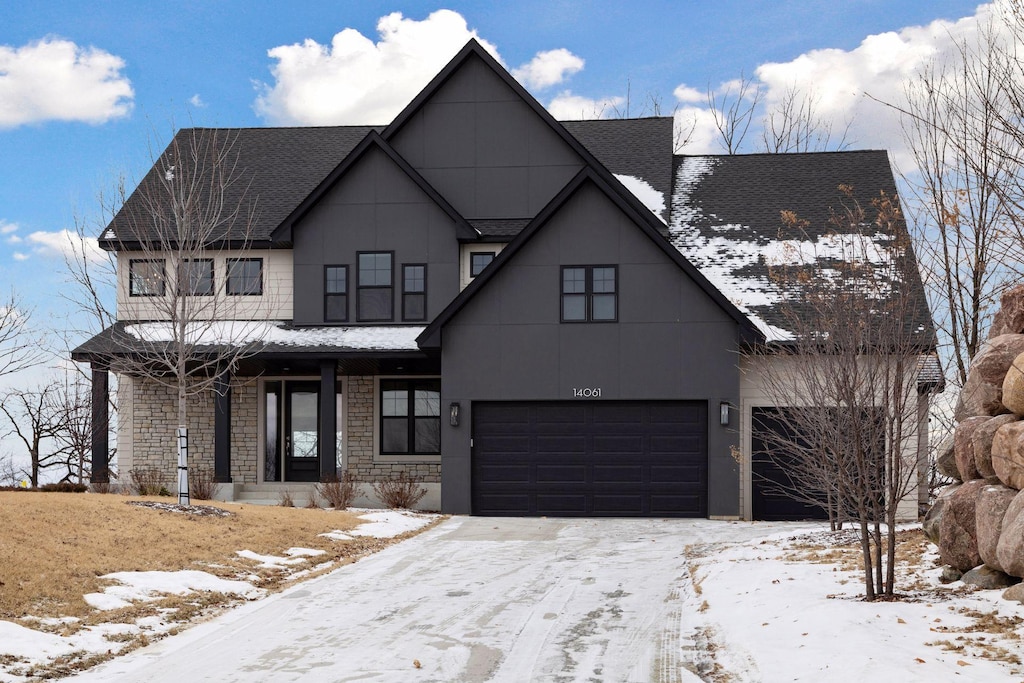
(484, 148)
(375, 207)
(671, 341)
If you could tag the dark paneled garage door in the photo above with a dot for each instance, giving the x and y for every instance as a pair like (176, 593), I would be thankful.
(601, 459)
(770, 480)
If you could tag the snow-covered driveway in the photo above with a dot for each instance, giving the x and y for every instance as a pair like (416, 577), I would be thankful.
(475, 599)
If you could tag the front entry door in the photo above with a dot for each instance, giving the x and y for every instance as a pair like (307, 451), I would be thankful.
(302, 431)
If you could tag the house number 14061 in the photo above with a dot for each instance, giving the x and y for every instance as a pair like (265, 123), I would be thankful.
(586, 392)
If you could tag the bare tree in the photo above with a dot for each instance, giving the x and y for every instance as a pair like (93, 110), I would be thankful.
(71, 407)
(846, 383)
(793, 124)
(733, 107)
(19, 349)
(32, 421)
(192, 210)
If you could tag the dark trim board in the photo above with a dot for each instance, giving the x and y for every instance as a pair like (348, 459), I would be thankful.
(590, 459)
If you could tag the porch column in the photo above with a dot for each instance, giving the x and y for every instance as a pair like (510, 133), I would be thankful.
(100, 424)
(328, 420)
(222, 429)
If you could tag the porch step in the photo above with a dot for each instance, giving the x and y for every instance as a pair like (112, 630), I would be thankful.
(273, 494)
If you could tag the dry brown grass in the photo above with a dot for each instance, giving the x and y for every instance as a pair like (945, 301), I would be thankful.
(55, 546)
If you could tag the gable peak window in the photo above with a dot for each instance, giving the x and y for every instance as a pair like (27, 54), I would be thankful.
(375, 286)
(590, 294)
(478, 260)
(336, 294)
(245, 276)
(146, 277)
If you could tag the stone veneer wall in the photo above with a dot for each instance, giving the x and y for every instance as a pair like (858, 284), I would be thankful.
(152, 420)
(359, 439)
(149, 418)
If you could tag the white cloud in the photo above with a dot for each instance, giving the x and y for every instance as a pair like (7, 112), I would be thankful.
(196, 101)
(840, 82)
(548, 68)
(357, 81)
(7, 228)
(568, 107)
(63, 244)
(13, 239)
(55, 79)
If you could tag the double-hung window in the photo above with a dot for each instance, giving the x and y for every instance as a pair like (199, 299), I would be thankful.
(195, 277)
(146, 277)
(590, 294)
(410, 417)
(414, 292)
(375, 288)
(245, 276)
(336, 294)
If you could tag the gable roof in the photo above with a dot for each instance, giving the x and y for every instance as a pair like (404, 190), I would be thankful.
(283, 232)
(276, 168)
(726, 219)
(644, 220)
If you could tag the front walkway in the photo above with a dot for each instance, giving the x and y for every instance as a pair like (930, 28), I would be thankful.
(474, 599)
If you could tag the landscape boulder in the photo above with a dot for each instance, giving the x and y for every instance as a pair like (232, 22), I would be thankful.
(1014, 592)
(1013, 386)
(945, 461)
(983, 391)
(958, 530)
(1010, 551)
(981, 442)
(1009, 319)
(1008, 454)
(949, 574)
(993, 502)
(963, 446)
(933, 518)
(988, 578)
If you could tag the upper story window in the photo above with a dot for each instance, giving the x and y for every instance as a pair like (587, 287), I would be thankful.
(478, 260)
(195, 277)
(414, 292)
(146, 277)
(336, 294)
(590, 294)
(245, 276)
(375, 288)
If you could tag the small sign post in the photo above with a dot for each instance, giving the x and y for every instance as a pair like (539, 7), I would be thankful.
(183, 497)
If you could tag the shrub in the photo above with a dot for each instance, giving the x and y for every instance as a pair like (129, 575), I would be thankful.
(201, 484)
(147, 481)
(339, 493)
(402, 491)
(285, 499)
(65, 487)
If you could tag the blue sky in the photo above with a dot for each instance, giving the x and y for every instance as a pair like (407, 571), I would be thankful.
(86, 88)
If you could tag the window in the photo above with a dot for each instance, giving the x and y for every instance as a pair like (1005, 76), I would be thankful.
(375, 299)
(589, 294)
(414, 292)
(195, 277)
(410, 417)
(146, 277)
(336, 293)
(478, 260)
(245, 276)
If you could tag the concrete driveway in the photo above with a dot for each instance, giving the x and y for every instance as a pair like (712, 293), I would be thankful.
(474, 599)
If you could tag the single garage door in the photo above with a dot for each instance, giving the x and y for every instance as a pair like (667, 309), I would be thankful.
(771, 485)
(582, 459)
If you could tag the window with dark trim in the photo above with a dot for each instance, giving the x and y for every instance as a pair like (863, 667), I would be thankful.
(336, 294)
(478, 260)
(589, 294)
(375, 287)
(414, 291)
(195, 277)
(146, 277)
(245, 276)
(410, 416)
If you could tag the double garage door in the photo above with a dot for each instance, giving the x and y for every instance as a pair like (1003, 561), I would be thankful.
(583, 459)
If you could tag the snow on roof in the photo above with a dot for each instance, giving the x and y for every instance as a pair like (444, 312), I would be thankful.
(651, 198)
(277, 333)
(734, 256)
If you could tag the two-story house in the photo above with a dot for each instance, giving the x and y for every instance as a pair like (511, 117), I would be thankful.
(533, 317)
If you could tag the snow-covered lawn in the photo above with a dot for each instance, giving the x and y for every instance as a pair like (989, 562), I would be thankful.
(25, 652)
(478, 599)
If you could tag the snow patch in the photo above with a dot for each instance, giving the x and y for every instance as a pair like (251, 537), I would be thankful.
(145, 586)
(271, 332)
(642, 190)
